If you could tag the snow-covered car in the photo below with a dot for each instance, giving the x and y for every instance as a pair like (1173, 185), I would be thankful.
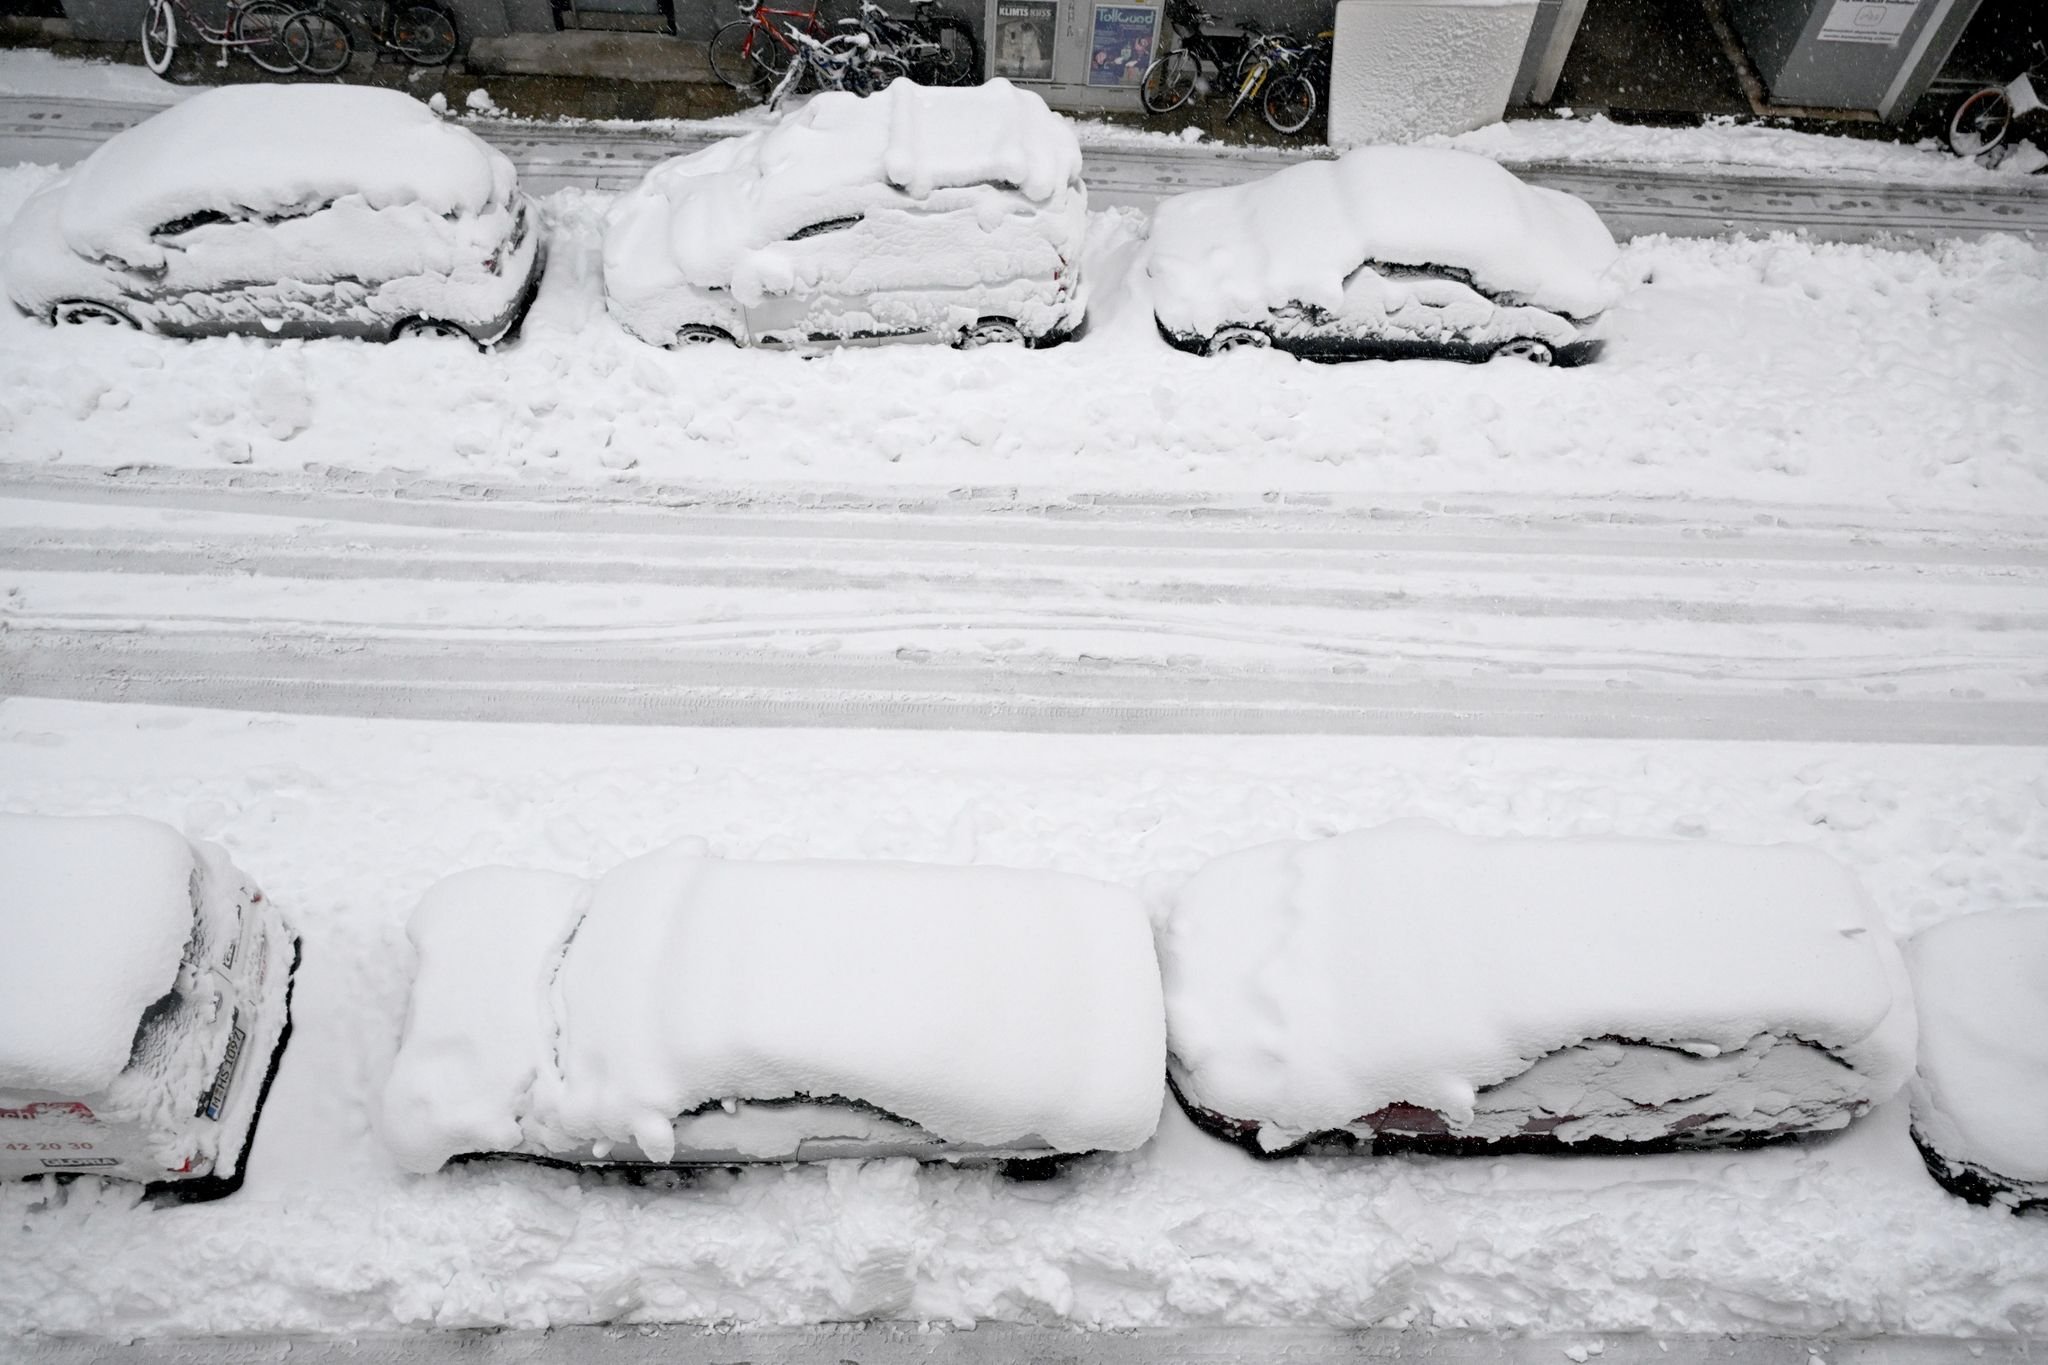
(1384, 253)
(147, 1005)
(283, 211)
(690, 1010)
(1412, 987)
(949, 215)
(1980, 1092)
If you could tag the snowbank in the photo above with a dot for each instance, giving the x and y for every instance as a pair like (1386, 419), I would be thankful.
(992, 1007)
(34, 73)
(277, 151)
(1310, 984)
(1234, 253)
(94, 914)
(1980, 1095)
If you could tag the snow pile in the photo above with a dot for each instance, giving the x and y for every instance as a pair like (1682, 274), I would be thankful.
(991, 1006)
(33, 73)
(274, 151)
(1980, 1096)
(95, 914)
(959, 188)
(1309, 984)
(1234, 253)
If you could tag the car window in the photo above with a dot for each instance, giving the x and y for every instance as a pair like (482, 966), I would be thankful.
(829, 225)
(190, 221)
(1388, 270)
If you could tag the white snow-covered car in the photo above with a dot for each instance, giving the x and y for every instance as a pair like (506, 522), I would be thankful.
(689, 1010)
(953, 215)
(148, 1002)
(1980, 1092)
(1412, 987)
(1384, 253)
(283, 211)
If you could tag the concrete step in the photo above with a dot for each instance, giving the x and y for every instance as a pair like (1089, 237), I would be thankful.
(599, 55)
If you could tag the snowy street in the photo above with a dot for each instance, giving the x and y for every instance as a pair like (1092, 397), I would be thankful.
(1772, 570)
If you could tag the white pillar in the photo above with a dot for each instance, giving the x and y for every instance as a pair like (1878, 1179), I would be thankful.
(1403, 69)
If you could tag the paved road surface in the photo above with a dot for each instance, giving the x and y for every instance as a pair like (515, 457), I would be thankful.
(1633, 199)
(889, 1344)
(990, 610)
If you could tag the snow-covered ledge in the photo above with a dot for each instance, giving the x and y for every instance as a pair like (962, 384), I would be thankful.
(1403, 69)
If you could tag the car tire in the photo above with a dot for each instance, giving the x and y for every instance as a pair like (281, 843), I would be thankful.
(989, 332)
(701, 334)
(1237, 339)
(81, 312)
(1527, 349)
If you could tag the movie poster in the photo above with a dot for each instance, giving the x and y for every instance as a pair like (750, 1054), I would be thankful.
(1024, 36)
(1121, 48)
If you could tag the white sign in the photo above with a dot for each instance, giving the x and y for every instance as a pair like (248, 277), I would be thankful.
(1868, 21)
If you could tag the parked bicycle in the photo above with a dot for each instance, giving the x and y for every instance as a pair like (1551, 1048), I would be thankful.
(1986, 117)
(421, 32)
(751, 54)
(277, 37)
(1175, 77)
(1300, 71)
(844, 61)
(935, 47)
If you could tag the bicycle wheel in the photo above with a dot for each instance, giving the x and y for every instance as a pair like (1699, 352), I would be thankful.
(424, 34)
(319, 42)
(1170, 82)
(260, 33)
(959, 59)
(159, 36)
(1981, 123)
(732, 57)
(1289, 104)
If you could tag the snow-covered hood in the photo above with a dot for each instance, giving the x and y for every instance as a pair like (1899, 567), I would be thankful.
(1311, 983)
(1234, 253)
(695, 219)
(273, 150)
(94, 917)
(988, 1005)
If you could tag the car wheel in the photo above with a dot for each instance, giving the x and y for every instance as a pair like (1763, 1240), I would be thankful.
(81, 312)
(1238, 339)
(991, 332)
(1525, 348)
(428, 327)
(699, 334)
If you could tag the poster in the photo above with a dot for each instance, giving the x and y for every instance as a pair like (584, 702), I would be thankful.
(1868, 21)
(1121, 47)
(1024, 36)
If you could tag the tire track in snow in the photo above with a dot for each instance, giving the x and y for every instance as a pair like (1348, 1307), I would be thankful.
(1622, 620)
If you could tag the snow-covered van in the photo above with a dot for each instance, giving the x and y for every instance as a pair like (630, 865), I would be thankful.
(283, 211)
(926, 214)
(691, 1010)
(147, 1003)
(1980, 1091)
(1413, 987)
(1384, 253)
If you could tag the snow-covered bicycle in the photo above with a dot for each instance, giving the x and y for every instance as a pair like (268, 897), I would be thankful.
(278, 37)
(1986, 117)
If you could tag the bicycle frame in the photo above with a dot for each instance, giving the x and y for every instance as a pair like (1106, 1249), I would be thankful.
(222, 37)
(764, 22)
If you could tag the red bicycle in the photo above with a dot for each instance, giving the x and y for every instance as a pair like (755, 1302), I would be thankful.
(751, 54)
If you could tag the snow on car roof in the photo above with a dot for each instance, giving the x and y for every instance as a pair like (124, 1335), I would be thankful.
(1311, 983)
(1230, 254)
(1981, 1093)
(94, 917)
(840, 155)
(989, 1005)
(273, 150)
